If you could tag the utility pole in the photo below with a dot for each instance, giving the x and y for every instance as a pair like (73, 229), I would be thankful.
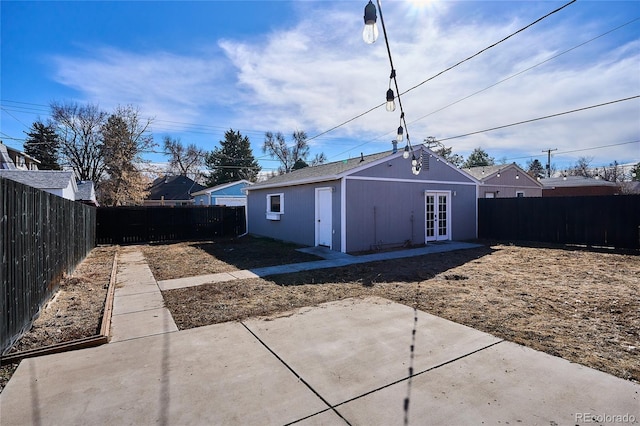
(548, 151)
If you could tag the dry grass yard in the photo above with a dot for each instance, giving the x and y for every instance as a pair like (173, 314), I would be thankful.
(580, 305)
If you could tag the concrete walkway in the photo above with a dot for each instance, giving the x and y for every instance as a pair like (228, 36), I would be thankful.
(332, 259)
(345, 362)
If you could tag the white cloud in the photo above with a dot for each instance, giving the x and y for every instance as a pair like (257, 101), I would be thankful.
(319, 73)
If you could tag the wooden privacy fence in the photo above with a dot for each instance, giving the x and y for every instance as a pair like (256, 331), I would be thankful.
(42, 237)
(127, 225)
(610, 221)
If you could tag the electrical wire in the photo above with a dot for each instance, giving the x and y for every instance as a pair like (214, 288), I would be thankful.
(539, 118)
(447, 69)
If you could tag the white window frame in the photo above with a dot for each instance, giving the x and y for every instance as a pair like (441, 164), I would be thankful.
(271, 215)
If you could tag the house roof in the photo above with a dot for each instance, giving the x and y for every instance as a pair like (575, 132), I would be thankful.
(322, 172)
(574, 181)
(85, 191)
(6, 163)
(41, 179)
(221, 187)
(173, 188)
(483, 173)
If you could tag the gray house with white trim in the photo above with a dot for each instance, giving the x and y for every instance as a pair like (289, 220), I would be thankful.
(365, 203)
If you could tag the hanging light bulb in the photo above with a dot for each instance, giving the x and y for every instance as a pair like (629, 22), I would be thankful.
(391, 103)
(399, 135)
(517, 175)
(405, 154)
(414, 160)
(370, 32)
(415, 170)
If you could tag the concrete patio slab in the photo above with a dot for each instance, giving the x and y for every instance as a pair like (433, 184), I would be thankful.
(211, 375)
(503, 384)
(347, 348)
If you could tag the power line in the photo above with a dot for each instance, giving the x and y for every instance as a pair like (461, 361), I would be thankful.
(449, 68)
(539, 118)
(526, 69)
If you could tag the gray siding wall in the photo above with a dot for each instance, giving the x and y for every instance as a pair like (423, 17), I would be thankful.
(391, 213)
(508, 185)
(297, 224)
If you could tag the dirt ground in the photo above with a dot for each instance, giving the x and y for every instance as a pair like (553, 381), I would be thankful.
(581, 305)
(75, 310)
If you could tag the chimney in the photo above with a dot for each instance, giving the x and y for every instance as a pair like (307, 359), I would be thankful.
(395, 146)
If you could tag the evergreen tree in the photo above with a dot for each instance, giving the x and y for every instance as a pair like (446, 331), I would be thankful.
(232, 161)
(478, 157)
(635, 172)
(535, 169)
(43, 144)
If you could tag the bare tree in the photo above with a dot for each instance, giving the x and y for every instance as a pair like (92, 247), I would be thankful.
(184, 160)
(613, 173)
(276, 146)
(125, 138)
(79, 130)
(582, 167)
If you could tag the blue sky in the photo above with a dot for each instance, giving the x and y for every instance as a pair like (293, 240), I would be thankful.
(200, 68)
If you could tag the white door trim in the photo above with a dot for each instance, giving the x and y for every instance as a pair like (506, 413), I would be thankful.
(327, 214)
(436, 204)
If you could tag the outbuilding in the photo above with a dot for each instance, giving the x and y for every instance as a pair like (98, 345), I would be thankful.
(367, 203)
(227, 194)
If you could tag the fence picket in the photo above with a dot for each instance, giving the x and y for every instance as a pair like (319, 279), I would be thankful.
(41, 237)
(130, 225)
(609, 221)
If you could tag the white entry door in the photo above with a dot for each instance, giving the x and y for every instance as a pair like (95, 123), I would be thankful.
(437, 214)
(324, 226)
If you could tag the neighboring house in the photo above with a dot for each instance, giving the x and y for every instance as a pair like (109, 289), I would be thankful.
(505, 181)
(12, 159)
(57, 182)
(172, 191)
(575, 186)
(228, 194)
(86, 193)
(370, 202)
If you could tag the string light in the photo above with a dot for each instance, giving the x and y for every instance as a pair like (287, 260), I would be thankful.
(370, 32)
(370, 18)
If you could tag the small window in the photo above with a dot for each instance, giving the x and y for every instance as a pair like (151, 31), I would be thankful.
(275, 206)
(489, 195)
(519, 194)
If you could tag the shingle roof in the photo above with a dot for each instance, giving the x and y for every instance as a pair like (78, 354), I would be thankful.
(85, 191)
(173, 188)
(574, 181)
(220, 187)
(320, 172)
(41, 179)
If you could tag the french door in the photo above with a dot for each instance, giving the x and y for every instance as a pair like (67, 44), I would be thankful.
(437, 213)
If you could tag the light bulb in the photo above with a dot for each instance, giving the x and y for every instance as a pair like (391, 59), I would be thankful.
(517, 176)
(370, 32)
(399, 135)
(391, 103)
(414, 161)
(405, 154)
(415, 170)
